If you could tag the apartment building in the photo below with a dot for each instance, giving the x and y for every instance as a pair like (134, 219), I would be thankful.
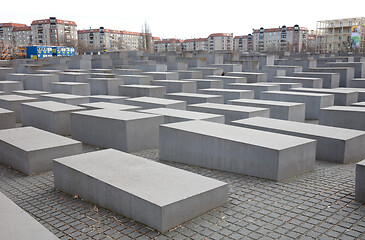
(195, 44)
(22, 36)
(109, 39)
(168, 45)
(54, 32)
(7, 37)
(341, 35)
(293, 39)
(220, 41)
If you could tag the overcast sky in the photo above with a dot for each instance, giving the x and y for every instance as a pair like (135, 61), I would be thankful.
(184, 18)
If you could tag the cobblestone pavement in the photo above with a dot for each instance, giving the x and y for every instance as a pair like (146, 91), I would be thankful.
(318, 205)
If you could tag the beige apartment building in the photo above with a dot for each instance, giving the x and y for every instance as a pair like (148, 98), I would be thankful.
(195, 44)
(7, 37)
(220, 41)
(54, 32)
(168, 45)
(341, 35)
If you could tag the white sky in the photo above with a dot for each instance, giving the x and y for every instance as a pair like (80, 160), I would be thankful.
(184, 18)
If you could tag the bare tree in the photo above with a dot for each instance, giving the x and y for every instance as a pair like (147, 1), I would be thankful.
(146, 41)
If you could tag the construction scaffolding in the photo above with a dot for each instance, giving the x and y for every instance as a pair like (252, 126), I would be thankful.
(341, 35)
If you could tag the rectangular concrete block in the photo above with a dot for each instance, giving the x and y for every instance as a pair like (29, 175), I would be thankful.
(136, 79)
(359, 182)
(73, 76)
(122, 130)
(346, 73)
(15, 223)
(75, 88)
(305, 81)
(228, 79)
(357, 83)
(235, 149)
(206, 83)
(228, 94)
(230, 112)
(227, 67)
(287, 86)
(208, 70)
(343, 117)
(252, 77)
(313, 101)
(7, 119)
(188, 74)
(65, 98)
(193, 98)
(126, 71)
(48, 115)
(12, 103)
(149, 192)
(107, 98)
(258, 88)
(162, 75)
(142, 91)
(173, 86)
(150, 102)
(31, 150)
(102, 75)
(40, 82)
(330, 80)
(9, 86)
(278, 110)
(343, 97)
(104, 86)
(334, 144)
(177, 115)
(110, 106)
(31, 93)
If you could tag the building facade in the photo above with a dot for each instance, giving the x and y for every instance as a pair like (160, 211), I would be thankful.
(168, 45)
(7, 36)
(196, 44)
(341, 35)
(54, 32)
(243, 43)
(293, 39)
(220, 41)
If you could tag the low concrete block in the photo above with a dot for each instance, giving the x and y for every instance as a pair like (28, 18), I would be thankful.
(7, 119)
(235, 149)
(346, 73)
(48, 115)
(230, 112)
(12, 103)
(343, 117)
(193, 98)
(357, 83)
(359, 182)
(31, 93)
(9, 86)
(73, 76)
(162, 197)
(229, 94)
(150, 102)
(162, 75)
(278, 110)
(75, 88)
(228, 79)
(136, 79)
(40, 82)
(207, 83)
(313, 101)
(334, 144)
(104, 86)
(15, 223)
(122, 130)
(227, 67)
(252, 77)
(177, 115)
(142, 91)
(305, 81)
(208, 70)
(329, 80)
(287, 86)
(65, 98)
(107, 98)
(258, 88)
(110, 106)
(173, 86)
(31, 150)
(186, 74)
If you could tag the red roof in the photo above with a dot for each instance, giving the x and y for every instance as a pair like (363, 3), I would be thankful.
(238, 37)
(196, 40)
(12, 25)
(156, 38)
(220, 35)
(170, 40)
(312, 37)
(58, 21)
(26, 28)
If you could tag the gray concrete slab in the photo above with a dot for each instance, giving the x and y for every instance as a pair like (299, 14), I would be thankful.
(227, 67)
(359, 67)
(346, 73)
(334, 144)
(9, 86)
(31, 150)
(15, 223)
(76, 88)
(230, 112)
(125, 71)
(73, 76)
(227, 79)
(162, 75)
(174, 86)
(40, 82)
(330, 80)
(206, 83)
(104, 86)
(359, 182)
(142, 91)
(102, 75)
(65, 98)
(287, 86)
(188, 74)
(343, 97)
(357, 83)
(12, 103)
(151, 102)
(136, 79)
(208, 70)
(360, 92)
(107, 98)
(177, 115)
(313, 101)
(122, 130)
(31, 93)
(193, 98)
(278, 110)
(228, 94)
(343, 116)
(110, 106)
(7, 119)
(258, 88)
(155, 194)
(49, 115)
(305, 81)
(235, 149)
(252, 77)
